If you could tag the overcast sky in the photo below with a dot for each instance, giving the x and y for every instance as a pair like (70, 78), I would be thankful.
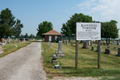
(33, 12)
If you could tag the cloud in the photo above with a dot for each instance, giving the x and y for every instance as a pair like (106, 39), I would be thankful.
(103, 10)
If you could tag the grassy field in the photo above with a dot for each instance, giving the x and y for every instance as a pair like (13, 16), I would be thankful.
(87, 61)
(9, 48)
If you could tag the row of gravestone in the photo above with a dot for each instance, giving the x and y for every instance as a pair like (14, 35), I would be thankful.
(107, 51)
(65, 42)
(14, 41)
(57, 54)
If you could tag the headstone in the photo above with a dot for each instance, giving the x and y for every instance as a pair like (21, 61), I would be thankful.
(114, 48)
(15, 45)
(57, 66)
(92, 48)
(118, 52)
(2, 40)
(1, 49)
(54, 59)
(66, 41)
(85, 45)
(24, 40)
(16, 40)
(108, 47)
(115, 42)
(13, 41)
(107, 51)
(91, 43)
(49, 44)
(55, 51)
(107, 44)
(104, 43)
(8, 40)
(100, 49)
(60, 53)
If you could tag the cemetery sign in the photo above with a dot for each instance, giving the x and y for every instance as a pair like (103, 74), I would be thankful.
(88, 31)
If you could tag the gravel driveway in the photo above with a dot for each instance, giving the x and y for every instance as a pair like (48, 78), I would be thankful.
(24, 64)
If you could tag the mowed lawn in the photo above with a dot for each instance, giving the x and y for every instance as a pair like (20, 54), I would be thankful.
(9, 48)
(87, 61)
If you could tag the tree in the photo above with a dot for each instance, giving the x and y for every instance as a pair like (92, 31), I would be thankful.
(6, 23)
(26, 35)
(31, 36)
(109, 30)
(66, 30)
(17, 28)
(44, 27)
(70, 27)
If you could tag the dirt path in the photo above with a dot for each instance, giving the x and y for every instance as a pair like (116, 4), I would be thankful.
(24, 64)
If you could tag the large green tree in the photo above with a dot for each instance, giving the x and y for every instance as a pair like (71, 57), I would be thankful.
(17, 28)
(6, 23)
(69, 27)
(109, 29)
(44, 27)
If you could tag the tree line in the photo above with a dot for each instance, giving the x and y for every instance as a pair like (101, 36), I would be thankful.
(9, 26)
(108, 29)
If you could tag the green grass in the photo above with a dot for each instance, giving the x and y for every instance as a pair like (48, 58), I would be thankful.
(9, 48)
(87, 61)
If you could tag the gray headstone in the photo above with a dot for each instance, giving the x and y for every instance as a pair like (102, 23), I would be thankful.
(56, 51)
(92, 48)
(15, 45)
(60, 53)
(118, 52)
(8, 40)
(66, 41)
(91, 43)
(54, 59)
(114, 48)
(107, 51)
(115, 42)
(49, 44)
(24, 40)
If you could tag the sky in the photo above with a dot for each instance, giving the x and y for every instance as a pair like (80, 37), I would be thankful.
(33, 12)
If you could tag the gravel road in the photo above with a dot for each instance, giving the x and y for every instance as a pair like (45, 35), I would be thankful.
(24, 64)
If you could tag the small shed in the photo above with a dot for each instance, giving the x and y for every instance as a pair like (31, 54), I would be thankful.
(52, 35)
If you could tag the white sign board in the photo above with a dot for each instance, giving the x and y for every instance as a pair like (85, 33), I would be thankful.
(88, 31)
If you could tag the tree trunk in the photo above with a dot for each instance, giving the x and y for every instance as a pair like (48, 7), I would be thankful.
(69, 38)
(106, 40)
(109, 40)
